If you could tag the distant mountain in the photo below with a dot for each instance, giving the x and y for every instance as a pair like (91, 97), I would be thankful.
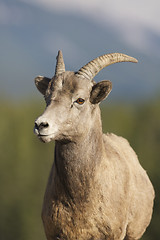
(29, 48)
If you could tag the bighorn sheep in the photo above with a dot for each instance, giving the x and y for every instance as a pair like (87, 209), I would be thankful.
(97, 188)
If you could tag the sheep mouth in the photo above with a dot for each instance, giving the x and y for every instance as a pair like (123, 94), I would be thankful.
(43, 135)
(45, 138)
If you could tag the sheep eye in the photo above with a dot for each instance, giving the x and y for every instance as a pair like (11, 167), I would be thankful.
(80, 101)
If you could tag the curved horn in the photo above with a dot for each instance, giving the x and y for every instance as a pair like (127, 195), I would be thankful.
(91, 69)
(60, 67)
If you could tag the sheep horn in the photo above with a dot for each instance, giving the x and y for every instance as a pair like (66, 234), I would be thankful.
(60, 67)
(91, 69)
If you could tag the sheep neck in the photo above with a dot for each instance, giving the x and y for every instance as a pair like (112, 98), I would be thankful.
(76, 163)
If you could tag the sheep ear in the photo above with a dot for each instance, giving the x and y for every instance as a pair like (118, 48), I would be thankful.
(42, 83)
(100, 91)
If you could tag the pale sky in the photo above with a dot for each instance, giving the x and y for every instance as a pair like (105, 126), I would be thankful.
(143, 12)
(132, 20)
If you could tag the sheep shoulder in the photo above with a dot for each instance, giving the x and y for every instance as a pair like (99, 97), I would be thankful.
(123, 160)
(130, 184)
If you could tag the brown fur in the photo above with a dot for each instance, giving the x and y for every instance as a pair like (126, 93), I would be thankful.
(96, 189)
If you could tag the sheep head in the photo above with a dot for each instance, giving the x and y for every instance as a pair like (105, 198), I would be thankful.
(72, 97)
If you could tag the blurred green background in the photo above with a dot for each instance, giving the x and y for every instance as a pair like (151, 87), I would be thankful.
(26, 162)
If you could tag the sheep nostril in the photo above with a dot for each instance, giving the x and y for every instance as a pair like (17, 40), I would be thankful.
(44, 125)
(41, 126)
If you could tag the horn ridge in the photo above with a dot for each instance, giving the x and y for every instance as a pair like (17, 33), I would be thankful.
(60, 66)
(91, 69)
